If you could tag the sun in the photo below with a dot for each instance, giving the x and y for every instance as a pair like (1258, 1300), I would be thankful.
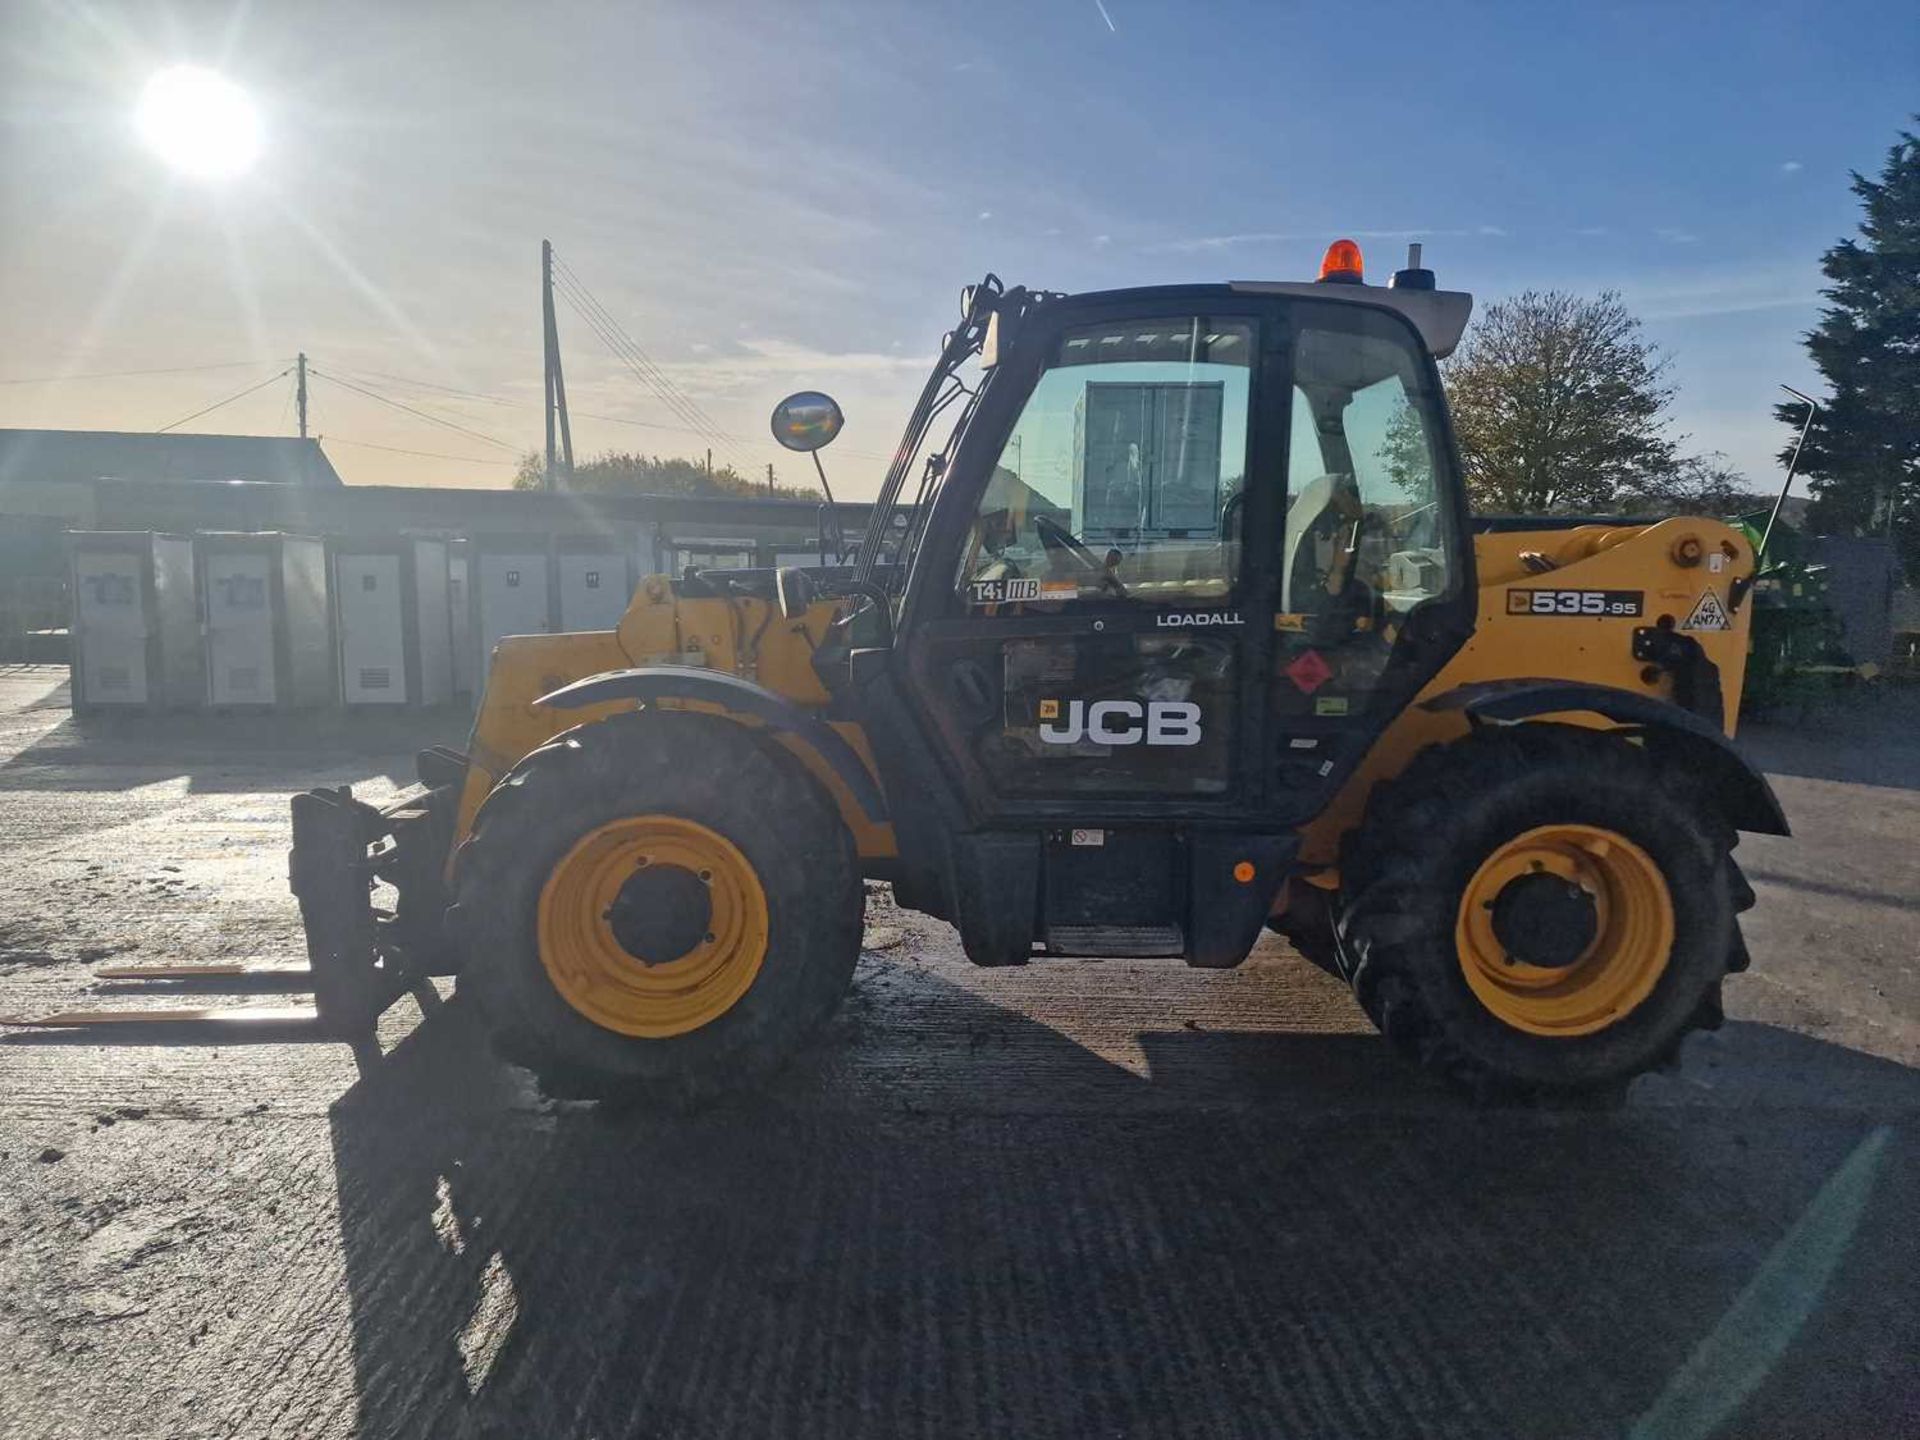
(199, 122)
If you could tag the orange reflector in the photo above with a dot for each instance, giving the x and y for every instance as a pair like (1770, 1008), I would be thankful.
(1343, 263)
(1243, 872)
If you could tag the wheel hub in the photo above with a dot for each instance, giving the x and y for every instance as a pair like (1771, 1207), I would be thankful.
(1541, 919)
(652, 925)
(661, 912)
(1564, 929)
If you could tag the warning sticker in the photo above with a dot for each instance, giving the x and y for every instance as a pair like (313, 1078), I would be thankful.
(1708, 614)
(1059, 590)
(1309, 672)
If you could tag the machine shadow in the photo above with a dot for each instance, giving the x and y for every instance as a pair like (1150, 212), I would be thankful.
(1268, 1235)
(227, 753)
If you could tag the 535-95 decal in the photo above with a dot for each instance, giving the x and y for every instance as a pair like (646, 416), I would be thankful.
(1615, 603)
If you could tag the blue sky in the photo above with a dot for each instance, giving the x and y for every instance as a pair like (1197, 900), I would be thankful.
(777, 196)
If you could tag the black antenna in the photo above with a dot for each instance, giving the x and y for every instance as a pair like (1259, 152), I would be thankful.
(1738, 591)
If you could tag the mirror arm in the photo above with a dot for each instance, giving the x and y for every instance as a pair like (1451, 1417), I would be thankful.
(833, 511)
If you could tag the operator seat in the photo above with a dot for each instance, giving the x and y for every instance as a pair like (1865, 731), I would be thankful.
(1311, 537)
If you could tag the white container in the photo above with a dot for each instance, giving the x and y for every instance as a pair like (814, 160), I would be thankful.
(511, 578)
(265, 620)
(595, 581)
(393, 622)
(460, 611)
(136, 625)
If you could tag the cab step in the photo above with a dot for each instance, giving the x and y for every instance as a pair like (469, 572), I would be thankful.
(1117, 941)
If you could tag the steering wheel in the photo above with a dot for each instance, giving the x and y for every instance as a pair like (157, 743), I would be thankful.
(1057, 539)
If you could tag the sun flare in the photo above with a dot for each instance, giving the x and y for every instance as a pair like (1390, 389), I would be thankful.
(199, 122)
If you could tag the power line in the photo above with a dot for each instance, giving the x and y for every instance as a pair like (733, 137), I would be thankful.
(209, 409)
(410, 410)
(601, 321)
(122, 374)
(424, 454)
(372, 375)
(503, 402)
(689, 430)
(612, 338)
(676, 400)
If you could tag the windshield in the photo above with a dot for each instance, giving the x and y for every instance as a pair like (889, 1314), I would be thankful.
(1122, 474)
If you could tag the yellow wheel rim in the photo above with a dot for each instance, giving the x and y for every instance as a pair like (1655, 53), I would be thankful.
(1623, 957)
(581, 920)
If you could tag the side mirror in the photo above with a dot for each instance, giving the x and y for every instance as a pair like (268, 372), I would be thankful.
(807, 421)
(795, 591)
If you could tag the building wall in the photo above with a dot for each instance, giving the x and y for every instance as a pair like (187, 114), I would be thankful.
(656, 530)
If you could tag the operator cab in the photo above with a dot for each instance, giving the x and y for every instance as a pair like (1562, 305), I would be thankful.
(1187, 552)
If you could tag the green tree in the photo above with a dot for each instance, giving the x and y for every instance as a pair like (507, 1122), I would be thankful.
(1696, 485)
(1559, 404)
(1862, 455)
(619, 473)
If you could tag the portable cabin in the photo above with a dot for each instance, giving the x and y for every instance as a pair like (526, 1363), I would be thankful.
(594, 575)
(393, 620)
(511, 580)
(460, 610)
(265, 619)
(136, 624)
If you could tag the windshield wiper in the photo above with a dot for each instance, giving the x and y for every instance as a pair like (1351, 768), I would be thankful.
(960, 345)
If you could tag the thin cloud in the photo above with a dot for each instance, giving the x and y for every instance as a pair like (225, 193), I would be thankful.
(1101, 7)
(1683, 297)
(1791, 167)
(1672, 235)
(1287, 237)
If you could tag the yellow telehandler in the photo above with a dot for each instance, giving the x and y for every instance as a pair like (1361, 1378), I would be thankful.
(1171, 623)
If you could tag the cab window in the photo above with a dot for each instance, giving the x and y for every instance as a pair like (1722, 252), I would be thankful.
(1366, 528)
(1121, 480)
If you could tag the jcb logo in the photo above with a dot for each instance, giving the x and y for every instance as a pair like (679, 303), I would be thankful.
(1122, 722)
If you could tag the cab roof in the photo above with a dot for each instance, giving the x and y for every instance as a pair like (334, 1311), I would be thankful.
(1439, 315)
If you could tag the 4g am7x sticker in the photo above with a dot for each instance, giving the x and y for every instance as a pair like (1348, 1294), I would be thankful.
(1610, 604)
(1708, 614)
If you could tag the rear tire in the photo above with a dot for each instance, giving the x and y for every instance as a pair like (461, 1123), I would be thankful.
(1435, 830)
(782, 844)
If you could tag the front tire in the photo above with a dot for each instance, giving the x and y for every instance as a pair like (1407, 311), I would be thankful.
(658, 905)
(1538, 908)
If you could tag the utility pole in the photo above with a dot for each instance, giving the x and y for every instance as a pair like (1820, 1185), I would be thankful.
(560, 457)
(769, 477)
(300, 390)
(709, 460)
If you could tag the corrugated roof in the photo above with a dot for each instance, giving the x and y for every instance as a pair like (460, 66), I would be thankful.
(128, 455)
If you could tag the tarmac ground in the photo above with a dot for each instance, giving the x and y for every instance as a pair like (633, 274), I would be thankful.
(1079, 1198)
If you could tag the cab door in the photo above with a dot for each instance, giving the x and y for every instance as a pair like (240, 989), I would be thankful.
(1090, 628)
(1206, 552)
